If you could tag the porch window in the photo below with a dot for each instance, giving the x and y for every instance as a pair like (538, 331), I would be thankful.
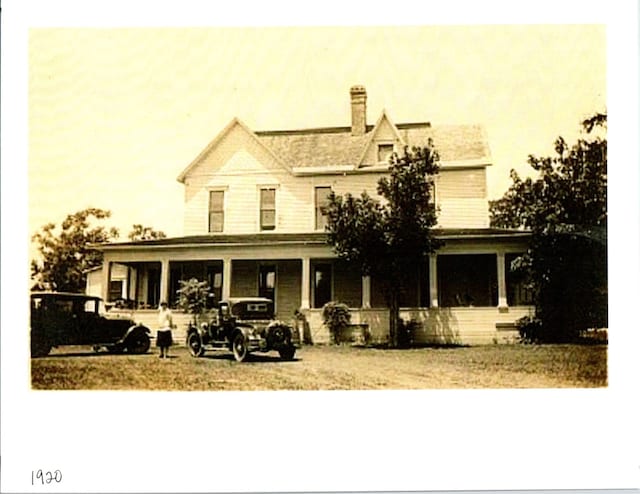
(115, 290)
(214, 279)
(267, 209)
(216, 211)
(321, 285)
(517, 291)
(267, 282)
(321, 202)
(467, 280)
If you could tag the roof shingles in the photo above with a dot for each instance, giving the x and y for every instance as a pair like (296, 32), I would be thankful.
(337, 147)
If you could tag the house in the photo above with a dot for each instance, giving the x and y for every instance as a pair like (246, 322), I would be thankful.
(253, 225)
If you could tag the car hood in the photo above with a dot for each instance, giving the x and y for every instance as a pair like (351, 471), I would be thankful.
(258, 324)
(118, 317)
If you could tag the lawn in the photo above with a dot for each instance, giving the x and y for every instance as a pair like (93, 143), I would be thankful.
(329, 368)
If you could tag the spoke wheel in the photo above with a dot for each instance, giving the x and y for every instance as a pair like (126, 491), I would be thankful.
(194, 344)
(240, 351)
(139, 344)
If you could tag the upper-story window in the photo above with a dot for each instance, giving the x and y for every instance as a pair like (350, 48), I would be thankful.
(216, 211)
(267, 209)
(321, 202)
(384, 152)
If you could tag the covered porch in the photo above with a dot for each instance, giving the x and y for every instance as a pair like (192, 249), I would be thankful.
(465, 293)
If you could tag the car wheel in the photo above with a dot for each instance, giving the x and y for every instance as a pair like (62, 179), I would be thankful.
(139, 343)
(194, 343)
(240, 351)
(40, 348)
(287, 352)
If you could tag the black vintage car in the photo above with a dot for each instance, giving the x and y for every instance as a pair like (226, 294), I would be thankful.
(242, 325)
(59, 318)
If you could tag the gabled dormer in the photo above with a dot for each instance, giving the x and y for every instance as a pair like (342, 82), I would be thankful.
(384, 140)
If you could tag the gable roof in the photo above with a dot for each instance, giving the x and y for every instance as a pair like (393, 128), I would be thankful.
(235, 122)
(331, 147)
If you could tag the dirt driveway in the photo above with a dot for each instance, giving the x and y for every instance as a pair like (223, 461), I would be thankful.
(329, 367)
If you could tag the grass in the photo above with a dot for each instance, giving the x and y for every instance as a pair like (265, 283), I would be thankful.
(329, 368)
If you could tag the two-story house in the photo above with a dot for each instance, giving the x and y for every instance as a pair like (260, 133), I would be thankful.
(253, 225)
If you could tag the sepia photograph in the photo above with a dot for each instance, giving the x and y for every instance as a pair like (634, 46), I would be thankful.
(357, 233)
(259, 231)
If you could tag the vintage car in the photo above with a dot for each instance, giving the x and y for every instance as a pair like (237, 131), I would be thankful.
(242, 325)
(59, 318)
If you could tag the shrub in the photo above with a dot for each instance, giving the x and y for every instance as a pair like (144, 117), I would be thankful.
(530, 329)
(192, 296)
(336, 317)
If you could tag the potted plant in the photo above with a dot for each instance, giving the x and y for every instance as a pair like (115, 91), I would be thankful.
(337, 318)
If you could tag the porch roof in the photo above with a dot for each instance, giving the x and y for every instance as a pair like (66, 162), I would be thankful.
(315, 238)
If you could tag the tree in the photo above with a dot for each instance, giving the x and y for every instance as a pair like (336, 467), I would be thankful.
(192, 297)
(388, 238)
(140, 232)
(565, 208)
(67, 253)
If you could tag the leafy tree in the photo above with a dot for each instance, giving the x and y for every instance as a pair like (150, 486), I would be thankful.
(140, 232)
(565, 208)
(192, 297)
(388, 238)
(67, 253)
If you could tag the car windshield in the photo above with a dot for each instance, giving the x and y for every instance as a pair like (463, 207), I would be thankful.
(253, 310)
(64, 304)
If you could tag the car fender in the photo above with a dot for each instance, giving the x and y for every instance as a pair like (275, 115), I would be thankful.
(136, 328)
(245, 329)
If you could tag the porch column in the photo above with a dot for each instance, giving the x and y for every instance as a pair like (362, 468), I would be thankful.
(106, 279)
(127, 285)
(164, 280)
(133, 287)
(226, 278)
(502, 282)
(305, 294)
(433, 280)
(366, 292)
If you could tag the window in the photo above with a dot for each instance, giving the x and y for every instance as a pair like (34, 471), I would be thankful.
(467, 280)
(321, 202)
(517, 291)
(321, 285)
(267, 282)
(267, 209)
(115, 290)
(384, 152)
(214, 279)
(216, 211)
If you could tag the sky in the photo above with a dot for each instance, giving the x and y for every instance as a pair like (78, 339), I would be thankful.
(115, 114)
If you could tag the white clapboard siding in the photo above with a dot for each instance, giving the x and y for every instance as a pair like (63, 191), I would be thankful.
(463, 213)
(463, 183)
(440, 326)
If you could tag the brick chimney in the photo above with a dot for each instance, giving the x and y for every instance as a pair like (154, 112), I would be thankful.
(358, 110)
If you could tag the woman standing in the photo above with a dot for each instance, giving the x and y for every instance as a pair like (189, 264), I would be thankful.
(165, 322)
